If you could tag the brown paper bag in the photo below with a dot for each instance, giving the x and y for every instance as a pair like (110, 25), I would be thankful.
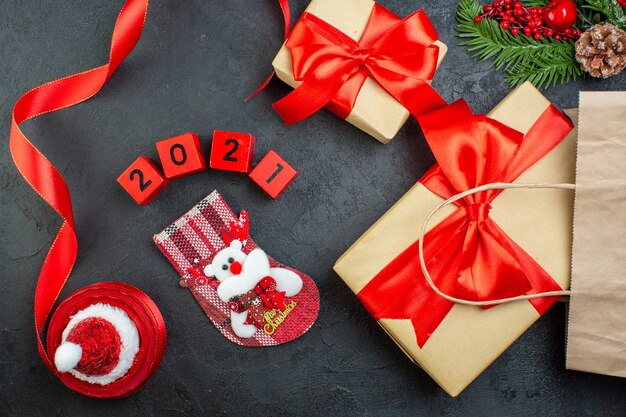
(597, 312)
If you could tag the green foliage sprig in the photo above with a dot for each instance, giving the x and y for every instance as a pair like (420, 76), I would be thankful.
(543, 62)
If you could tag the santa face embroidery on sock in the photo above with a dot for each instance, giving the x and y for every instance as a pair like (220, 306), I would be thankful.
(252, 299)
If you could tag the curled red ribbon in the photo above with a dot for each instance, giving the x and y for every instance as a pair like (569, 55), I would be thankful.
(41, 174)
(284, 8)
(398, 54)
(468, 255)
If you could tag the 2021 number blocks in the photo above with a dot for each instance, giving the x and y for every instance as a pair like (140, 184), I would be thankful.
(143, 180)
(273, 174)
(232, 151)
(181, 155)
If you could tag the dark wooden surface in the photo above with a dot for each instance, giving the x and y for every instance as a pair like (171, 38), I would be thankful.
(195, 63)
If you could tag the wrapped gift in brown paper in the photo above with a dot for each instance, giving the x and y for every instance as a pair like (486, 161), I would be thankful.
(375, 111)
(597, 314)
(470, 338)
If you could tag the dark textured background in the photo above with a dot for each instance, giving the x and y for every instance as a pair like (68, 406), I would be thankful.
(195, 63)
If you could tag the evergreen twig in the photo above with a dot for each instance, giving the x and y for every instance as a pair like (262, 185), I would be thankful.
(543, 62)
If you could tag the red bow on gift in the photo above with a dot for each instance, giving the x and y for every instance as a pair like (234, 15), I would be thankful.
(397, 53)
(468, 255)
(257, 301)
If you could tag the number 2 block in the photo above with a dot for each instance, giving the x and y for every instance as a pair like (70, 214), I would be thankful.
(232, 151)
(142, 180)
(273, 174)
(181, 155)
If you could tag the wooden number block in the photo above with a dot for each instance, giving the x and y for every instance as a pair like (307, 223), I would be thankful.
(232, 151)
(143, 181)
(181, 155)
(273, 174)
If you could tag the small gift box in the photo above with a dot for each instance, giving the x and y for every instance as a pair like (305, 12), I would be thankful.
(491, 245)
(363, 63)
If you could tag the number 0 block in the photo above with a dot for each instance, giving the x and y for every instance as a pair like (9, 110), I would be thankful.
(181, 155)
(232, 151)
(273, 174)
(143, 181)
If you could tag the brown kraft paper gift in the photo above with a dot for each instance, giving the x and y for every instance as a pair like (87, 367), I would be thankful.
(375, 111)
(469, 338)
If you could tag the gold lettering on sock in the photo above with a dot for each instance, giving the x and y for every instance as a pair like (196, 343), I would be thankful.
(275, 317)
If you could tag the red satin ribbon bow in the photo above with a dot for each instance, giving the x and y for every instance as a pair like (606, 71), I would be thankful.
(43, 177)
(468, 255)
(397, 53)
(261, 298)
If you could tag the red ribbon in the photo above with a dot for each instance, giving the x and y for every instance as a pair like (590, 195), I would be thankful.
(284, 8)
(43, 177)
(397, 53)
(468, 254)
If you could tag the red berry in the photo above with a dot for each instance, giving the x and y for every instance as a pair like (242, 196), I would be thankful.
(564, 38)
(557, 37)
(478, 19)
(537, 36)
(560, 14)
(536, 30)
(505, 25)
(548, 33)
(511, 19)
(487, 8)
(518, 5)
(527, 31)
(514, 31)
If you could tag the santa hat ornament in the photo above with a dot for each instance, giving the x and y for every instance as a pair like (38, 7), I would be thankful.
(106, 340)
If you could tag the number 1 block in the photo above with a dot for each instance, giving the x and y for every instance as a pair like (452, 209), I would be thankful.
(142, 180)
(273, 174)
(232, 151)
(181, 155)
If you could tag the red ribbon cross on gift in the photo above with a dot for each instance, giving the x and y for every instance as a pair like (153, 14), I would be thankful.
(468, 255)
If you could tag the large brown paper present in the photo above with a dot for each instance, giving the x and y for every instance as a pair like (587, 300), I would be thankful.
(470, 338)
(375, 111)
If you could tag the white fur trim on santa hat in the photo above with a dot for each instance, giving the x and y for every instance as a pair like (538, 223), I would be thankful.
(129, 338)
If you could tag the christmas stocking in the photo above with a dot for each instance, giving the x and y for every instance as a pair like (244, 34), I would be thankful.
(251, 298)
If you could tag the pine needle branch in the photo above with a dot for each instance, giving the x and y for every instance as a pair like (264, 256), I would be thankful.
(543, 62)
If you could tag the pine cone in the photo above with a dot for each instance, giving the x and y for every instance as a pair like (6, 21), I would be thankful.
(601, 50)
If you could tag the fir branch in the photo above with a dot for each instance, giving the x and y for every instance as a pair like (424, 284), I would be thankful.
(544, 62)
(610, 10)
